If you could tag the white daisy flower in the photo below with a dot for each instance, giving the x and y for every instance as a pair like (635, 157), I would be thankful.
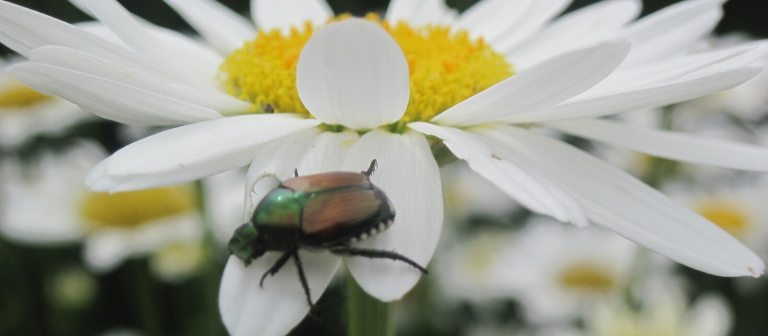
(112, 227)
(660, 307)
(562, 272)
(738, 208)
(520, 67)
(478, 269)
(25, 112)
(708, 315)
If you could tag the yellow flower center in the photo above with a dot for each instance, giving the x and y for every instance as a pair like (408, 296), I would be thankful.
(17, 96)
(729, 215)
(586, 277)
(446, 66)
(481, 257)
(177, 261)
(135, 208)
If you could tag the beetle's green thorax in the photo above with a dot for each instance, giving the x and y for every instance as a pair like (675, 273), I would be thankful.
(281, 208)
(245, 243)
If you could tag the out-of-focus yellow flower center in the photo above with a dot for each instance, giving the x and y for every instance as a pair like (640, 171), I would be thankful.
(16, 95)
(663, 322)
(729, 215)
(586, 277)
(446, 66)
(135, 208)
(481, 256)
(175, 262)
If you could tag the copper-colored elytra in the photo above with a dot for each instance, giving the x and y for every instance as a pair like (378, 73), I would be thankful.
(325, 181)
(330, 212)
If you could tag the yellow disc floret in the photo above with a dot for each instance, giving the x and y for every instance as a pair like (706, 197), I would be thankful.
(446, 66)
(586, 277)
(135, 208)
(731, 216)
(263, 71)
(18, 96)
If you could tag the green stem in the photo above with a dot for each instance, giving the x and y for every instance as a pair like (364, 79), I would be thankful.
(145, 298)
(367, 315)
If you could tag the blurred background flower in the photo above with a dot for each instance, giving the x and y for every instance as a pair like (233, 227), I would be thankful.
(26, 113)
(112, 227)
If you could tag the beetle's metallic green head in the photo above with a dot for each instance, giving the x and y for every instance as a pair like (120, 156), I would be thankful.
(245, 243)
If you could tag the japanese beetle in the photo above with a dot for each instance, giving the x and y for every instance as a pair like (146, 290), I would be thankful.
(322, 211)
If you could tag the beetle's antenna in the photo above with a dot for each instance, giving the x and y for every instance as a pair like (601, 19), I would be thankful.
(371, 168)
(376, 254)
(295, 172)
(303, 278)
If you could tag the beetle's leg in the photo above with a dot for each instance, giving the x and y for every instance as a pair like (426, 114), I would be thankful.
(303, 278)
(371, 168)
(276, 267)
(376, 254)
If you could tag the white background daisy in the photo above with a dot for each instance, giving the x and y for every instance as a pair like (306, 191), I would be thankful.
(734, 205)
(478, 269)
(562, 272)
(25, 113)
(55, 183)
(708, 315)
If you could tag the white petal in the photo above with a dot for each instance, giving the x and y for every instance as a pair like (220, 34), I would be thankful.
(248, 309)
(618, 201)
(193, 151)
(709, 316)
(164, 46)
(20, 216)
(633, 98)
(106, 249)
(577, 29)
(99, 29)
(270, 14)
(544, 85)
(515, 177)
(672, 30)
(671, 145)
(110, 99)
(534, 18)
(22, 30)
(409, 176)
(90, 64)
(418, 13)
(221, 27)
(492, 18)
(103, 251)
(353, 73)
(676, 68)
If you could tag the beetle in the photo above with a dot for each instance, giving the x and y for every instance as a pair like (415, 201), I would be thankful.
(321, 211)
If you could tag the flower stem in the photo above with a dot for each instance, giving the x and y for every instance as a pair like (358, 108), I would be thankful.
(146, 300)
(365, 314)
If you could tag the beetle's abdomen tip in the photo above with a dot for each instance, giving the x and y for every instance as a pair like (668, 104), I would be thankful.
(374, 230)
